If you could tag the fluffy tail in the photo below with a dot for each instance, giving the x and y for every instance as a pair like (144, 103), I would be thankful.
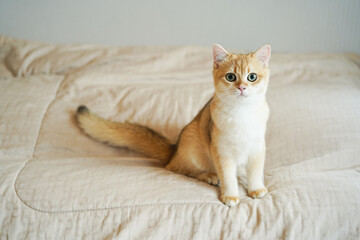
(133, 136)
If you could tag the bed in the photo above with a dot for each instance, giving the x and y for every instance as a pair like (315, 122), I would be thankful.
(56, 183)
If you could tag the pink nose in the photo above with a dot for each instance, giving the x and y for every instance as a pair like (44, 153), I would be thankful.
(242, 88)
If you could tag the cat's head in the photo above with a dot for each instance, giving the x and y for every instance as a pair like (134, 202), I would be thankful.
(242, 77)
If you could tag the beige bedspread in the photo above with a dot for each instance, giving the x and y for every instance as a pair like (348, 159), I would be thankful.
(56, 183)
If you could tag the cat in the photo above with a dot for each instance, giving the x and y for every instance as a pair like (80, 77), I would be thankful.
(227, 134)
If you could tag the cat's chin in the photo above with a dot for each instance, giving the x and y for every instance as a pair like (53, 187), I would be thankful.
(245, 98)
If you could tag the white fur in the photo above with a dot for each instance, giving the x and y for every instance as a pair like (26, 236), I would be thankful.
(242, 140)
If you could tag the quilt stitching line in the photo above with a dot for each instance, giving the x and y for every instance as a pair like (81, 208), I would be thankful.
(129, 206)
(37, 141)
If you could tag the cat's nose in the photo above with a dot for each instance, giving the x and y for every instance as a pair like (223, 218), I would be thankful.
(241, 88)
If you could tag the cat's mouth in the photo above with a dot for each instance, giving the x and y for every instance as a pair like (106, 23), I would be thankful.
(243, 94)
(242, 91)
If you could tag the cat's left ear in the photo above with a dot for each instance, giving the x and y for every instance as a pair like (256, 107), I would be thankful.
(219, 53)
(263, 55)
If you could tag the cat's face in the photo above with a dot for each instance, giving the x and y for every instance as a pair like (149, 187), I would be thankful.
(242, 77)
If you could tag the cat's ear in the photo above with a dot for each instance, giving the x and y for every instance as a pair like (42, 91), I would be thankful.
(263, 55)
(219, 53)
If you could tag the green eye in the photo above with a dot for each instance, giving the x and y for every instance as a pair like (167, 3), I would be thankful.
(230, 77)
(252, 77)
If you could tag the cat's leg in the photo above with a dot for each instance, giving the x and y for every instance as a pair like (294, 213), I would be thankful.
(177, 165)
(193, 162)
(226, 171)
(255, 174)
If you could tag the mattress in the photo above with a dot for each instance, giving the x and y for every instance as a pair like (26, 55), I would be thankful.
(56, 183)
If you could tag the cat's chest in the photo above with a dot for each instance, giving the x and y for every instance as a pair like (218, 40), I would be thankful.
(244, 126)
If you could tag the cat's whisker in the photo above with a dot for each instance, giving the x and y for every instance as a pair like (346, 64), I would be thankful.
(221, 102)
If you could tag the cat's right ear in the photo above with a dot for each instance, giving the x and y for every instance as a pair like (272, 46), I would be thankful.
(219, 54)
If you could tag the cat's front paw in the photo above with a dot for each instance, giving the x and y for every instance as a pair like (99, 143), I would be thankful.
(260, 193)
(230, 200)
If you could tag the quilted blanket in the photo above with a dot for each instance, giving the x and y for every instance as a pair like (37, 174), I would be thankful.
(56, 183)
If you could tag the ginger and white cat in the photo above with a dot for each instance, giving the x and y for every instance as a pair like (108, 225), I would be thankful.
(227, 134)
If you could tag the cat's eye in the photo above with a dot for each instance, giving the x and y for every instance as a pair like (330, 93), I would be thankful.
(230, 77)
(252, 77)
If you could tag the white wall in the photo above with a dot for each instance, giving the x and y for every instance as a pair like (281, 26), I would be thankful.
(290, 26)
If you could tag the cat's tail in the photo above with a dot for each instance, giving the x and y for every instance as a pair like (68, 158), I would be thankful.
(133, 136)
